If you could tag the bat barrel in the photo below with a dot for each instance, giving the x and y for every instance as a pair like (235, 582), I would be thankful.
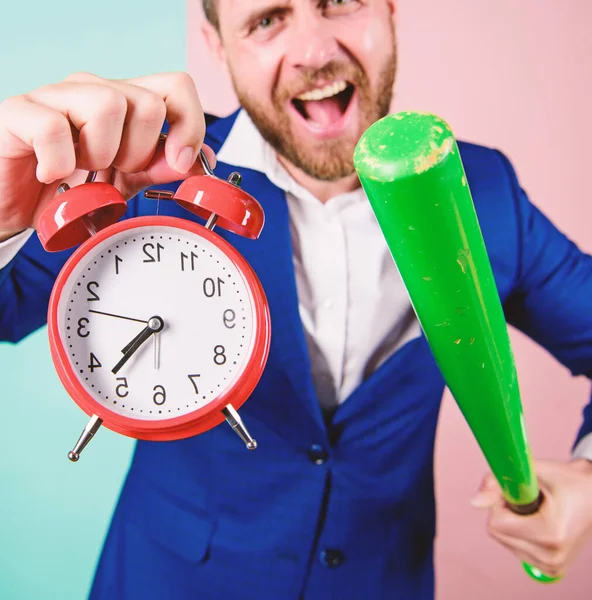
(411, 170)
(410, 167)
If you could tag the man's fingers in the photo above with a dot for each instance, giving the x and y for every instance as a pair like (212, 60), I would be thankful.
(158, 172)
(523, 553)
(530, 538)
(118, 123)
(544, 528)
(145, 114)
(184, 115)
(87, 123)
(150, 99)
(98, 112)
(551, 563)
(40, 130)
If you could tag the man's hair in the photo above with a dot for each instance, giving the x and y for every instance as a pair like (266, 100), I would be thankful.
(209, 8)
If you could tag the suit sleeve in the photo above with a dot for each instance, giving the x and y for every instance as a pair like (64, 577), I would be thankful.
(25, 287)
(552, 298)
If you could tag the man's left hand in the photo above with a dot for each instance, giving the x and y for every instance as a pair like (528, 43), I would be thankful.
(551, 538)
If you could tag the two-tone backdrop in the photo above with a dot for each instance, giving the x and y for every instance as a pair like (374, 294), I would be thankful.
(513, 75)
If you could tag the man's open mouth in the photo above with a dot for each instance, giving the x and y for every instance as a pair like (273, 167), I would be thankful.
(325, 105)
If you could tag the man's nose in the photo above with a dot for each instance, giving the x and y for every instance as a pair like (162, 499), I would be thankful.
(312, 44)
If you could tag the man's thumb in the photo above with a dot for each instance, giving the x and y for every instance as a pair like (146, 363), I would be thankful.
(488, 493)
(160, 172)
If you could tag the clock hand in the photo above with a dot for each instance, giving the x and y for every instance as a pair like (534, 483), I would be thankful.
(157, 350)
(98, 312)
(156, 338)
(155, 324)
(132, 343)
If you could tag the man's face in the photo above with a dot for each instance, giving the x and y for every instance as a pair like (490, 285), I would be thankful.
(313, 76)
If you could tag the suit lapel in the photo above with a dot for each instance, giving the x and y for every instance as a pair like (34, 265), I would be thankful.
(271, 258)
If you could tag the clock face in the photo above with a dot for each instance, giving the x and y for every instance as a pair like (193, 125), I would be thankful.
(156, 322)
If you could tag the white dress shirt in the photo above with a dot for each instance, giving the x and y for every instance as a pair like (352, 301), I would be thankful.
(353, 304)
(10, 247)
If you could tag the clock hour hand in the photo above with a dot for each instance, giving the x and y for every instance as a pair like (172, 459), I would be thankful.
(140, 335)
(155, 324)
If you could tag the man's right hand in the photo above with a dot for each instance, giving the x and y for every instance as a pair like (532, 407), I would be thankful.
(59, 132)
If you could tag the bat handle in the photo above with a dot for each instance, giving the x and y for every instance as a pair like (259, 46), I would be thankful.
(530, 509)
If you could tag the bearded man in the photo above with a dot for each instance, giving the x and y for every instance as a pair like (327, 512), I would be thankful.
(338, 501)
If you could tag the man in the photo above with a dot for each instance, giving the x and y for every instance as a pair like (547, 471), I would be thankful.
(337, 501)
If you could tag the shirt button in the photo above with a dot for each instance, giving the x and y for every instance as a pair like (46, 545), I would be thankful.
(331, 558)
(317, 454)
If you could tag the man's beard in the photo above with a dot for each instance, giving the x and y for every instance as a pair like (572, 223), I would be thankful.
(328, 160)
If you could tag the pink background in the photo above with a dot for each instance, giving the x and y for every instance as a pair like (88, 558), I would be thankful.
(517, 76)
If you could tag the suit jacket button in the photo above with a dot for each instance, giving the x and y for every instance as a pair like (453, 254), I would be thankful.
(317, 454)
(331, 558)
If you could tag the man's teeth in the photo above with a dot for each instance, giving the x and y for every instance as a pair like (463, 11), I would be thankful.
(324, 92)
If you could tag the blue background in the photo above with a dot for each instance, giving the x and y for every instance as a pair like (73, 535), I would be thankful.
(53, 514)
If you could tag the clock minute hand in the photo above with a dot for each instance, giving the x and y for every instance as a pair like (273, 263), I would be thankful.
(100, 312)
(155, 324)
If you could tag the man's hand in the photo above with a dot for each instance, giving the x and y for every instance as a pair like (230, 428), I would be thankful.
(86, 123)
(551, 538)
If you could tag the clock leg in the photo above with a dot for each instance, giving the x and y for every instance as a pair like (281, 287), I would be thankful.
(234, 420)
(89, 431)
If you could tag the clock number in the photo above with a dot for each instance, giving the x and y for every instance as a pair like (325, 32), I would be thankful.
(209, 287)
(93, 295)
(161, 393)
(193, 382)
(219, 356)
(82, 323)
(228, 317)
(94, 363)
(122, 386)
(150, 246)
(117, 261)
(184, 257)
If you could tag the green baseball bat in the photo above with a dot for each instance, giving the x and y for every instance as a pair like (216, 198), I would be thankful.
(410, 167)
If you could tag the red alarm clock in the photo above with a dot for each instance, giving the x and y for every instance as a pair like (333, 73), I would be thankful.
(159, 329)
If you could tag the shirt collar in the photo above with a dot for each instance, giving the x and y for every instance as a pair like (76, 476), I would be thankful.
(245, 147)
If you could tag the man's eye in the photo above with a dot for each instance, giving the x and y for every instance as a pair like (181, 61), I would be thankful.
(336, 6)
(265, 23)
(268, 25)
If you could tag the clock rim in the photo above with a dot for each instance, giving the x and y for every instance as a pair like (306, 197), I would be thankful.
(194, 422)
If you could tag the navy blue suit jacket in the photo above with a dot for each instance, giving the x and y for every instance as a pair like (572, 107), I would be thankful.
(341, 510)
